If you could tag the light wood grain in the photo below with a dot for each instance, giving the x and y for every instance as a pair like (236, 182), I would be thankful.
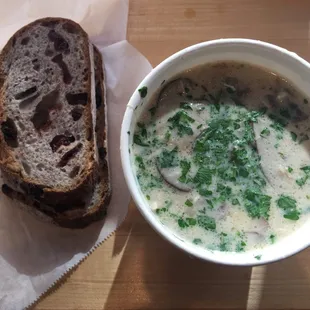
(135, 268)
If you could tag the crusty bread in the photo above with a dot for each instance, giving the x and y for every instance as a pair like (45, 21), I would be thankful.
(46, 92)
(75, 193)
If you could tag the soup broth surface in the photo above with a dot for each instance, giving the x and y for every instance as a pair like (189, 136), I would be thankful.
(221, 153)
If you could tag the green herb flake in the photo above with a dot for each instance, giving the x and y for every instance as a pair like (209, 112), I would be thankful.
(288, 205)
(197, 241)
(206, 222)
(148, 197)
(254, 115)
(191, 221)
(305, 169)
(188, 203)
(265, 133)
(235, 202)
(240, 247)
(258, 257)
(203, 176)
(168, 159)
(182, 223)
(257, 204)
(290, 169)
(140, 162)
(272, 238)
(199, 126)
(161, 210)
(140, 137)
(293, 136)
(143, 91)
(204, 192)
(302, 181)
(137, 139)
(185, 166)
(181, 121)
(128, 132)
(167, 136)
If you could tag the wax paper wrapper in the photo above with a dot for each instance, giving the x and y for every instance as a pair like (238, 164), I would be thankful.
(33, 254)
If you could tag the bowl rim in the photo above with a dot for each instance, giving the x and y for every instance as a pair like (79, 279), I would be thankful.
(145, 210)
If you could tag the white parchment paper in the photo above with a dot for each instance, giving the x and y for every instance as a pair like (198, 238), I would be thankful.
(33, 255)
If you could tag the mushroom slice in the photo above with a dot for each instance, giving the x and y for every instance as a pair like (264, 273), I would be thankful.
(179, 89)
(171, 176)
(257, 232)
(283, 105)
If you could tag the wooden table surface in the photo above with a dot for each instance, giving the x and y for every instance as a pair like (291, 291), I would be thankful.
(137, 269)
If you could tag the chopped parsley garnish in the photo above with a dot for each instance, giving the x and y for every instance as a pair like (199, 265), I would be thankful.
(185, 166)
(168, 159)
(139, 140)
(278, 123)
(140, 162)
(258, 257)
(290, 169)
(235, 202)
(288, 205)
(191, 221)
(183, 223)
(224, 242)
(257, 204)
(181, 121)
(140, 137)
(240, 246)
(143, 91)
(188, 203)
(305, 169)
(302, 181)
(265, 133)
(167, 136)
(206, 222)
(294, 136)
(197, 241)
(148, 197)
(161, 210)
(203, 176)
(205, 192)
(254, 115)
(272, 238)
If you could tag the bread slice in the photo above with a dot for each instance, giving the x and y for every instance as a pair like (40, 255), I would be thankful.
(47, 146)
(50, 156)
(73, 216)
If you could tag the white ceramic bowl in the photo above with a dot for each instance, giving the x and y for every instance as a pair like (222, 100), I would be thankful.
(272, 57)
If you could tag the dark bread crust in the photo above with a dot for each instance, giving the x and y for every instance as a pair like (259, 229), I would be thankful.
(12, 168)
(77, 216)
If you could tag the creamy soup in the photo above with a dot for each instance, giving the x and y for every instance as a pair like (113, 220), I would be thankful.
(222, 156)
